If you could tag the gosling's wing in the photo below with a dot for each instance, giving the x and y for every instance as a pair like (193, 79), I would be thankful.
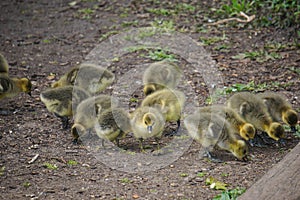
(4, 67)
(4, 85)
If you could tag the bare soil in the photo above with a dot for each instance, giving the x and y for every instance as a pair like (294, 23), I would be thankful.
(43, 39)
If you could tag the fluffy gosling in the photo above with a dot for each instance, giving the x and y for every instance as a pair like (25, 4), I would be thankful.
(161, 75)
(245, 130)
(63, 101)
(147, 122)
(113, 124)
(279, 108)
(169, 102)
(87, 114)
(212, 130)
(253, 110)
(90, 77)
(10, 87)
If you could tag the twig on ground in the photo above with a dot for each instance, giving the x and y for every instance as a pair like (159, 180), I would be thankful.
(33, 159)
(242, 14)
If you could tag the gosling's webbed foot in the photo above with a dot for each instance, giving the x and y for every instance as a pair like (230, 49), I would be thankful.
(266, 138)
(293, 129)
(210, 157)
(157, 142)
(76, 141)
(281, 142)
(65, 123)
(64, 120)
(257, 142)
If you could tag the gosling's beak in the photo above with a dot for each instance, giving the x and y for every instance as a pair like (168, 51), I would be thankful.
(29, 93)
(149, 128)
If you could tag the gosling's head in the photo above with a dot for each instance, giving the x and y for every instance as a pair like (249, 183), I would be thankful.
(149, 89)
(149, 121)
(248, 131)
(276, 131)
(290, 117)
(26, 85)
(240, 150)
(77, 130)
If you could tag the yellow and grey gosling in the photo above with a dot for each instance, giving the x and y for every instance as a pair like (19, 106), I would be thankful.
(63, 101)
(212, 130)
(253, 110)
(280, 109)
(160, 75)
(90, 77)
(113, 124)
(245, 129)
(88, 112)
(147, 122)
(10, 87)
(169, 102)
(4, 68)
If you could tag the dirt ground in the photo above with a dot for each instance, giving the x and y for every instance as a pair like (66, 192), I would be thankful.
(43, 39)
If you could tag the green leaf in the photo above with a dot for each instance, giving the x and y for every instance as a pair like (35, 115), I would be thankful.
(215, 184)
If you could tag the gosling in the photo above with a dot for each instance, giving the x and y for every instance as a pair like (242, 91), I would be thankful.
(112, 125)
(169, 102)
(280, 109)
(161, 75)
(245, 130)
(212, 130)
(63, 101)
(10, 87)
(3, 65)
(147, 122)
(87, 114)
(253, 110)
(90, 77)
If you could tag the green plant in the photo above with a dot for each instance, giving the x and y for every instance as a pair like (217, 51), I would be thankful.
(259, 56)
(201, 174)
(159, 11)
(72, 162)
(224, 174)
(86, 13)
(236, 6)
(133, 100)
(163, 24)
(50, 166)
(130, 23)
(183, 174)
(222, 48)
(230, 194)
(125, 180)
(279, 13)
(215, 184)
(46, 41)
(185, 7)
(26, 184)
(160, 54)
(294, 69)
(108, 34)
(239, 87)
